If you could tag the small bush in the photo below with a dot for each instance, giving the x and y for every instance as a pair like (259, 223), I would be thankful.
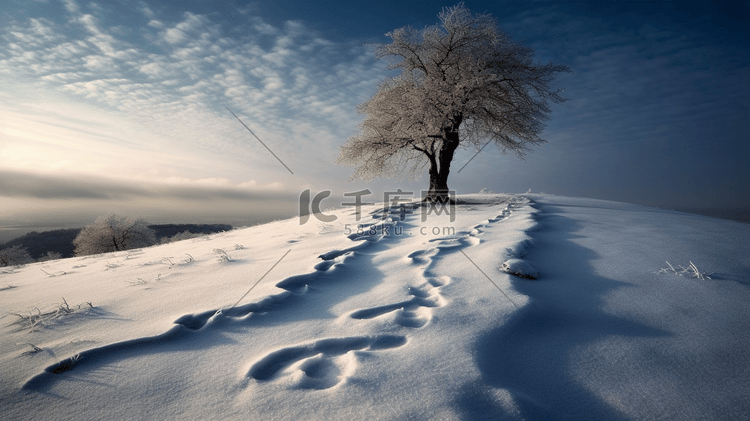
(51, 255)
(185, 235)
(223, 256)
(691, 270)
(14, 256)
(37, 317)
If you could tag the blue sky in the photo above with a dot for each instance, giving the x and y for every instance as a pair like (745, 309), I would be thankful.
(120, 105)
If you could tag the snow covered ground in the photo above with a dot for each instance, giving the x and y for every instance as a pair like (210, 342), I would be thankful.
(524, 307)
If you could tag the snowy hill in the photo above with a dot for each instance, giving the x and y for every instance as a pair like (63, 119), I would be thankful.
(523, 307)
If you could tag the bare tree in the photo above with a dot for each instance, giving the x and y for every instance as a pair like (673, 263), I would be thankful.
(463, 82)
(114, 233)
(14, 256)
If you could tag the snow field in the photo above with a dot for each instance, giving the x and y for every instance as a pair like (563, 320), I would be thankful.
(285, 321)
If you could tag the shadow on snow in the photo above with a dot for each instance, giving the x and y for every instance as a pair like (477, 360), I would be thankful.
(530, 354)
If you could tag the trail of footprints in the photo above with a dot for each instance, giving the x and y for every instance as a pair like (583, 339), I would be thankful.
(417, 310)
(294, 287)
(327, 362)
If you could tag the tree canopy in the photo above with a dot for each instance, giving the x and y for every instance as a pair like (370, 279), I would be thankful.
(113, 233)
(463, 82)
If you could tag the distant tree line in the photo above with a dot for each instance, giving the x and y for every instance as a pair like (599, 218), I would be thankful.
(170, 230)
(38, 244)
(56, 244)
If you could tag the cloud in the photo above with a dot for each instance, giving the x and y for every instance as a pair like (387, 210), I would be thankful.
(174, 77)
(189, 28)
(71, 6)
(82, 187)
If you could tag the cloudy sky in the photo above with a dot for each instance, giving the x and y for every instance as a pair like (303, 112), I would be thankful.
(123, 105)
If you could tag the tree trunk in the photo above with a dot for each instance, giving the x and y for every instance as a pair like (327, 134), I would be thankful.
(440, 168)
(434, 180)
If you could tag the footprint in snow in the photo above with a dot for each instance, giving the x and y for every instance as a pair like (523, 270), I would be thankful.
(322, 364)
(414, 312)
